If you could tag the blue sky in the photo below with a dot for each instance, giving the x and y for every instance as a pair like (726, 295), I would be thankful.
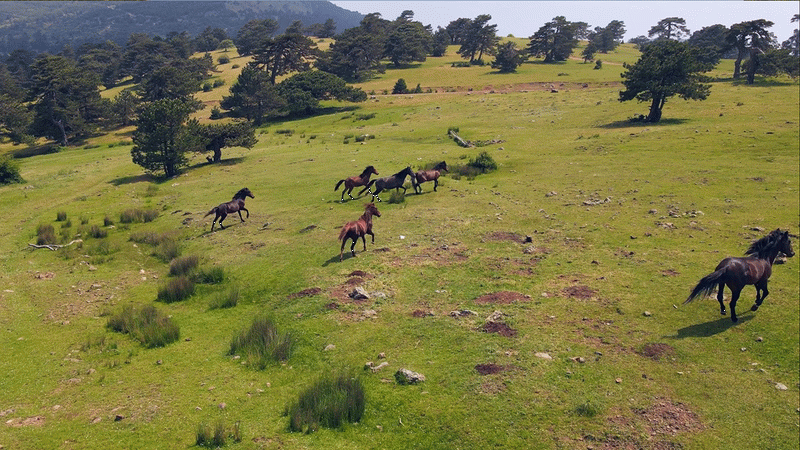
(523, 18)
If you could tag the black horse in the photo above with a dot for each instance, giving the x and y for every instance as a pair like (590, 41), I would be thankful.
(754, 269)
(235, 205)
(395, 181)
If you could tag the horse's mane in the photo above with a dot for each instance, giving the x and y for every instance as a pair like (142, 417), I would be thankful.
(406, 171)
(242, 194)
(440, 166)
(761, 247)
(367, 170)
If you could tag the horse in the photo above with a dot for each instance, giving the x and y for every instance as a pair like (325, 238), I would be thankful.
(352, 182)
(235, 205)
(736, 273)
(428, 175)
(359, 229)
(395, 181)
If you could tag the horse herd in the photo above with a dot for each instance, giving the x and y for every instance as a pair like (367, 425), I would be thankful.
(734, 272)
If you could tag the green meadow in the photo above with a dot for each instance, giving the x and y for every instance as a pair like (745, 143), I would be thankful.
(583, 245)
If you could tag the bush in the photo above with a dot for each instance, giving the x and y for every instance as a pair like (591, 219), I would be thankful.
(224, 59)
(400, 87)
(598, 65)
(183, 265)
(329, 403)
(397, 197)
(219, 82)
(207, 87)
(45, 234)
(147, 325)
(108, 221)
(61, 216)
(483, 162)
(213, 275)
(98, 233)
(206, 437)
(167, 250)
(262, 344)
(216, 113)
(176, 289)
(9, 171)
(226, 300)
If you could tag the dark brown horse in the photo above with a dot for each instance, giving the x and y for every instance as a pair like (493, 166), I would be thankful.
(428, 175)
(361, 180)
(754, 269)
(359, 229)
(235, 205)
(395, 181)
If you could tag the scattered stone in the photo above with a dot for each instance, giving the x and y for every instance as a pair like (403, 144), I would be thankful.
(405, 376)
(359, 293)
(744, 349)
(222, 405)
(781, 387)
(159, 362)
(118, 417)
(330, 347)
(759, 339)
(381, 355)
(462, 313)
(543, 356)
(618, 380)
(647, 314)
(496, 316)
(371, 366)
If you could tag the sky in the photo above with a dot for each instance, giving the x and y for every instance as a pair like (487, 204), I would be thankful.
(524, 18)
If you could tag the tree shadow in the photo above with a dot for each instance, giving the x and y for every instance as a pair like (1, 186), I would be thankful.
(629, 123)
(709, 329)
(145, 177)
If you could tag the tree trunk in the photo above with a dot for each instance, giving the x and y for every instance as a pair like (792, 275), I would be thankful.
(738, 64)
(655, 109)
(217, 154)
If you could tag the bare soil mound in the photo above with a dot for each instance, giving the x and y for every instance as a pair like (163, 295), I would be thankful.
(502, 298)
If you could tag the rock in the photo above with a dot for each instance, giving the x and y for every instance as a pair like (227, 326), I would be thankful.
(781, 387)
(118, 417)
(329, 347)
(496, 316)
(359, 293)
(462, 313)
(543, 355)
(405, 376)
(618, 380)
(647, 314)
(759, 339)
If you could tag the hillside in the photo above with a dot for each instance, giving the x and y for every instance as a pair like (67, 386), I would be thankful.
(48, 26)
(542, 301)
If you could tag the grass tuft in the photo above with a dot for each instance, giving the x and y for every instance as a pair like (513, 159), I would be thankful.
(45, 234)
(262, 344)
(148, 325)
(136, 215)
(225, 300)
(329, 403)
(176, 289)
(183, 265)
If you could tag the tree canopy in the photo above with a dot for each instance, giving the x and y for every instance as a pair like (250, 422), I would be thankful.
(666, 68)
(555, 40)
(163, 136)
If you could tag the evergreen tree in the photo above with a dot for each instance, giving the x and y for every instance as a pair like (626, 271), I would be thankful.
(163, 136)
(669, 28)
(508, 57)
(555, 40)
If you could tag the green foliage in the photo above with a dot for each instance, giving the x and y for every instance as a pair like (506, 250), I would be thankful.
(224, 59)
(9, 171)
(148, 325)
(397, 197)
(555, 40)
(206, 437)
(45, 234)
(98, 233)
(588, 409)
(213, 275)
(483, 162)
(508, 57)
(61, 216)
(176, 289)
(162, 136)
(262, 344)
(400, 87)
(331, 402)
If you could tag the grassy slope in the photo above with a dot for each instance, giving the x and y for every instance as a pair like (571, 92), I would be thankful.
(733, 157)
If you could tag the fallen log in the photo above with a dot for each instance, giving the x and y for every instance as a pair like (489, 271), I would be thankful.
(54, 247)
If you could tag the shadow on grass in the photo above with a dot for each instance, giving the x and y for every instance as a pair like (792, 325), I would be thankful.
(628, 123)
(144, 177)
(709, 329)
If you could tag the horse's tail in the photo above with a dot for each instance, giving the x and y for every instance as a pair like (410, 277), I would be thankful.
(343, 233)
(213, 210)
(706, 285)
(338, 184)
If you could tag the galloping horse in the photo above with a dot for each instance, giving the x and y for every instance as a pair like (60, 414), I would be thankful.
(361, 180)
(755, 269)
(235, 205)
(395, 181)
(428, 175)
(359, 229)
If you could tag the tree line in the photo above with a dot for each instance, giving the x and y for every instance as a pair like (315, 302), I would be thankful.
(58, 96)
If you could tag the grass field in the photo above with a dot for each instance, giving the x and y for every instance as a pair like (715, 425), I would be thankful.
(587, 239)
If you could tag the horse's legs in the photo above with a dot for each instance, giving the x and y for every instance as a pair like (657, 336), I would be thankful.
(720, 298)
(734, 298)
(341, 251)
(373, 236)
(245, 210)
(223, 216)
(364, 241)
(353, 246)
(761, 294)
(435, 185)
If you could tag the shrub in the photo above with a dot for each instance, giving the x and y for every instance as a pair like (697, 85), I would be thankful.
(587, 409)
(9, 171)
(262, 344)
(176, 289)
(598, 65)
(45, 234)
(219, 82)
(216, 113)
(206, 437)
(61, 216)
(224, 59)
(108, 221)
(206, 87)
(329, 403)
(397, 197)
(147, 325)
(136, 215)
(167, 250)
(98, 233)
(183, 265)
(483, 162)
(226, 300)
(400, 87)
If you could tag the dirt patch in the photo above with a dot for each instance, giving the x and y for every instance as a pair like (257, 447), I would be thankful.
(666, 417)
(358, 273)
(502, 298)
(418, 313)
(500, 328)
(310, 292)
(669, 273)
(35, 421)
(580, 292)
(500, 236)
(490, 368)
(657, 351)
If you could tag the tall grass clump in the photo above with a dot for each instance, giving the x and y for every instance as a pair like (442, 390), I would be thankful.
(225, 300)
(61, 216)
(135, 215)
(329, 403)
(148, 325)
(262, 344)
(176, 289)
(213, 275)
(9, 171)
(183, 265)
(45, 234)
(218, 437)
(96, 232)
